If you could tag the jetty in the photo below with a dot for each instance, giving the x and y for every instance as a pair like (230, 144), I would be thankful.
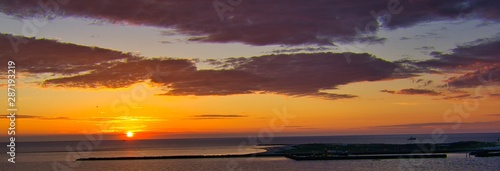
(182, 157)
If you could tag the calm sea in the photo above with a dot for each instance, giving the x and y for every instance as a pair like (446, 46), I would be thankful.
(61, 155)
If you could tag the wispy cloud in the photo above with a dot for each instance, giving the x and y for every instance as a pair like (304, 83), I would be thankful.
(413, 91)
(388, 91)
(461, 96)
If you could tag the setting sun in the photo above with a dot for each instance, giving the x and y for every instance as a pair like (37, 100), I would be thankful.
(130, 134)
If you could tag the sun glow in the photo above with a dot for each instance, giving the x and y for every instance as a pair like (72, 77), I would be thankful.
(130, 134)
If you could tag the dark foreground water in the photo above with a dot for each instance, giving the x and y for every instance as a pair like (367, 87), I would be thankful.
(61, 155)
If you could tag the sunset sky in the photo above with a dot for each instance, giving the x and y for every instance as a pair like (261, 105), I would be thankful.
(200, 68)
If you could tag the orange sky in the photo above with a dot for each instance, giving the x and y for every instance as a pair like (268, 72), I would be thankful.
(62, 111)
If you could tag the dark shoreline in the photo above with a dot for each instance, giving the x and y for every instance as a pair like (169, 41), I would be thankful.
(346, 152)
(369, 157)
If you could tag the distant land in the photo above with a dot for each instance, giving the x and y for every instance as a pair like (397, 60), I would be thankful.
(348, 151)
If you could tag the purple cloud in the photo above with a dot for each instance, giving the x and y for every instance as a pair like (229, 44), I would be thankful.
(262, 22)
(49, 56)
(295, 75)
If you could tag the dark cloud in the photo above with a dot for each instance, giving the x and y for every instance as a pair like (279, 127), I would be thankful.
(49, 56)
(413, 91)
(211, 82)
(388, 91)
(124, 74)
(217, 116)
(263, 22)
(477, 78)
(82, 66)
(479, 59)
(479, 53)
(494, 115)
(408, 68)
(295, 75)
(421, 82)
